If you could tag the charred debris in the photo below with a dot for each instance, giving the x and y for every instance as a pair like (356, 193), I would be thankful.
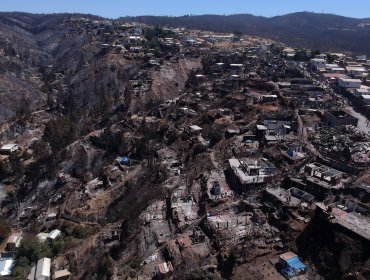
(185, 154)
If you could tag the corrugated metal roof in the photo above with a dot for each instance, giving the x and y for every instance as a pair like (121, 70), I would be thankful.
(43, 268)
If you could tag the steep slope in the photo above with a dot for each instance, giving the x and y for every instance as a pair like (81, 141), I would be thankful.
(19, 60)
(37, 51)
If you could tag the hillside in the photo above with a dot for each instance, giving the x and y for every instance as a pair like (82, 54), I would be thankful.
(317, 31)
(130, 152)
(33, 50)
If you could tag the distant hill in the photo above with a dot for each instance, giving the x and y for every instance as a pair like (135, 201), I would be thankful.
(317, 31)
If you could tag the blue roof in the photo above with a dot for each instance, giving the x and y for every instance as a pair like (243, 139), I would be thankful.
(123, 159)
(289, 272)
(292, 153)
(295, 263)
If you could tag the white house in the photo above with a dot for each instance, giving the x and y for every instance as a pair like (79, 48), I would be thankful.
(321, 56)
(62, 274)
(361, 58)
(318, 63)
(356, 71)
(364, 90)
(289, 52)
(54, 234)
(365, 99)
(245, 172)
(8, 149)
(334, 68)
(41, 271)
(6, 267)
(14, 241)
(349, 83)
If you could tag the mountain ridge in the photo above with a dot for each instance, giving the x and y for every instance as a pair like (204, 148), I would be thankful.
(327, 32)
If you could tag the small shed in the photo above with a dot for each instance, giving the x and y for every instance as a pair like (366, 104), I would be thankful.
(164, 270)
(62, 275)
(291, 264)
(41, 271)
(6, 267)
(9, 149)
(54, 234)
(14, 241)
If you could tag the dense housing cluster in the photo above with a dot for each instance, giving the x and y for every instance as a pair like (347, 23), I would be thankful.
(202, 154)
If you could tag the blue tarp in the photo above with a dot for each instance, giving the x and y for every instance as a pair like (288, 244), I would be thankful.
(123, 160)
(293, 266)
(292, 154)
(296, 264)
(289, 272)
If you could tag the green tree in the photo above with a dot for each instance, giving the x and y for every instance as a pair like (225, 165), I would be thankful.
(315, 52)
(237, 35)
(32, 249)
(21, 268)
(330, 58)
(4, 230)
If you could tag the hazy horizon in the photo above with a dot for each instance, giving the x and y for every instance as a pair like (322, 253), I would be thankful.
(267, 8)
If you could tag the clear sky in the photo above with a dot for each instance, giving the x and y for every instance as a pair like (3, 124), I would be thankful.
(117, 8)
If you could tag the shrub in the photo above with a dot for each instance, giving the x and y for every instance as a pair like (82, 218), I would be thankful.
(4, 230)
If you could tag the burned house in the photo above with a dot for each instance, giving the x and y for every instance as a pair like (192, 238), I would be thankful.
(183, 207)
(339, 118)
(351, 216)
(217, 187)
(236, 69)
(272, 131)
(198, 235)
(259, 217)
(247, 146)
(343, 147)
(292, 197)
(154, 218)
(321, 180)
(247, 172)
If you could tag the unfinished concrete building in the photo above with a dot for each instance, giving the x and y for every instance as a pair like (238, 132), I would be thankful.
(247, 172)
(321, 180)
